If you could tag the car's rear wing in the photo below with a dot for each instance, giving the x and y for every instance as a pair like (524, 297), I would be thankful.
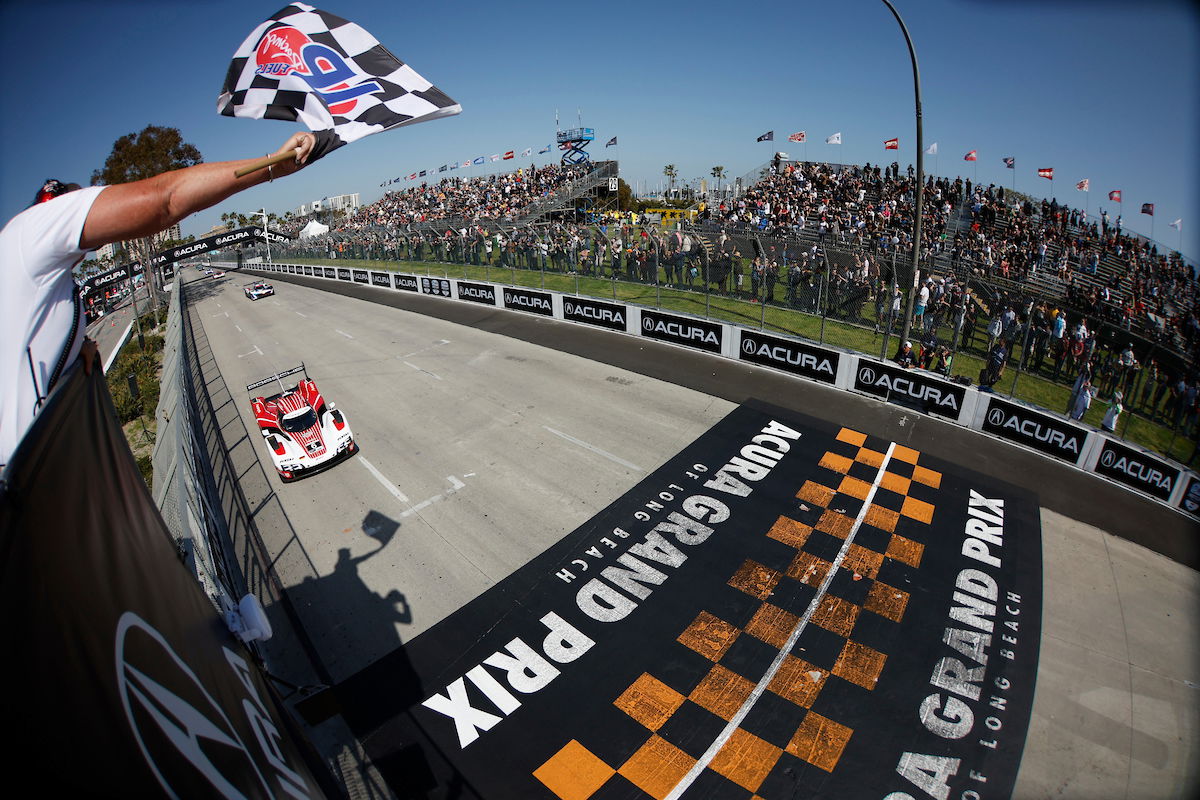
(254, 283)
(277, 377)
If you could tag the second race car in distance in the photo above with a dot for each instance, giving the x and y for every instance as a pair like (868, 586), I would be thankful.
(257, 289)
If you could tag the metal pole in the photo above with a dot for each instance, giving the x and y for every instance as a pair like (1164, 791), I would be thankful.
(920, 188)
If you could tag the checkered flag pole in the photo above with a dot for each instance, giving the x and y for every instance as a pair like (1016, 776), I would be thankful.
(330, 74)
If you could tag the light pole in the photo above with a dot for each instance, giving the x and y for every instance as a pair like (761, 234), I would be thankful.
(920, 200)
(266, 235)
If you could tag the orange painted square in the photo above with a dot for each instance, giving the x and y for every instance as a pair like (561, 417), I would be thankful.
(755, 580)
(861, 560)
(886, 601)
(854, 487)
(657, 767)
(772, 624)
(649, 701)
(808, 569)
(927, 477)
(835, 524)
(851, 437)
(836, 615)
(746, 759)
(815, 493)
(895, 483)
(835, 462)
(917, 509)
(709, 636)
(883, 518)
(819, 741)
(905, 454)
(872, 458)
(859, 664)
(574, 773)
(790, 532)
(798, 681)
(722, 692)
(905, 550)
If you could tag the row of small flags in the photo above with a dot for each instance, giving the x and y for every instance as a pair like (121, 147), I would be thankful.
(474, 162)
(972, 155)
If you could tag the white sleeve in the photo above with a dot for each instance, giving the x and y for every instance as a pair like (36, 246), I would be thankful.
(52, 231)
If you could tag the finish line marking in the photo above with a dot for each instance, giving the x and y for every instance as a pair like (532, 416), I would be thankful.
(735, 722)
(596, 450)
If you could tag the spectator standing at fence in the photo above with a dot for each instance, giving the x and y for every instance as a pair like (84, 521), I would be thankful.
(1082, 400)
(993, 370)
(1114, 411)
(40, 305)
(905, 356)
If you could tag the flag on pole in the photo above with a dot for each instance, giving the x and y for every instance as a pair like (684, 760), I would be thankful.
(467, 163)
(798, 136)
(1046, 172)
(421, 174)
(931, 150)
(834, 139)
(526, 151)
(545, 149)
(769, 136)
(494, 157)
(1083, 185)
(891, 144)
(443, 168)
(1148, 208)
(1010, 162)
(453, 165)
(611, 142)
(508, 155)
(1115, 195)
(1177, 224)
(971, 156)
(478, 160)
(413, 176)
(330, 74)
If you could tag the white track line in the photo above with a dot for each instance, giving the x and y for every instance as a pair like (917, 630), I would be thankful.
(596, 450)
(418, 369)
(814, 604)
(455, 485)
(301, 313)
(391, 487)
(343, 333)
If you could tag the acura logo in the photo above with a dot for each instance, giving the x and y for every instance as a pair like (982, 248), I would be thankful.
(1108, 458)
(647, 323)
(747, 346)
(996, 417)
(866, 375)
(182, 731)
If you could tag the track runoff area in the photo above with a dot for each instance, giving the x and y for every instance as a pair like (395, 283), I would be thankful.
(785, 609)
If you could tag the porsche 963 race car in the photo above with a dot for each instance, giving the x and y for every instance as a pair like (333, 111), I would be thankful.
(257, 289)
(303, 433)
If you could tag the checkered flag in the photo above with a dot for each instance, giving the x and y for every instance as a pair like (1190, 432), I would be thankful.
(309, 65)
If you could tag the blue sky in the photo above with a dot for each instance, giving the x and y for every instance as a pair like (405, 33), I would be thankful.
(1096, 90)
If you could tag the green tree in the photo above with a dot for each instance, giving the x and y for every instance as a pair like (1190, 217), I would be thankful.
(671, 173)
(152, 151)
(137, 156)
(625, 201)
(718, 173)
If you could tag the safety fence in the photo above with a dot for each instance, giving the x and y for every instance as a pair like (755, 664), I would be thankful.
(1052, 435)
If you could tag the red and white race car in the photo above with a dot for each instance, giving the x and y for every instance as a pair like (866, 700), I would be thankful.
(304, 434)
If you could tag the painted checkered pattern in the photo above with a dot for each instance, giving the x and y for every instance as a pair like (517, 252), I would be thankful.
(791, 729)
(404, 98)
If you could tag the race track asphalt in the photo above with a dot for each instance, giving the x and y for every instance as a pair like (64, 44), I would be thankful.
(487, 435)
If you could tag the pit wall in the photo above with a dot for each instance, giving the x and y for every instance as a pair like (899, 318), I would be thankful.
(1125, 464)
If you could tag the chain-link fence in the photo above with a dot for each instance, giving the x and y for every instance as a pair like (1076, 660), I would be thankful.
(184, 483)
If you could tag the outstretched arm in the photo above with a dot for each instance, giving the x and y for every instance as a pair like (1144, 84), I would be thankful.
(131, 210)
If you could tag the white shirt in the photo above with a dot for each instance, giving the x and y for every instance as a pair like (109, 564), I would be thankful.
(38, 249)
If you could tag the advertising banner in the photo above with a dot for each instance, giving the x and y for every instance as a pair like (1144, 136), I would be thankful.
(1048, 434)
(789, 355)
(699, 333)
(910, 388)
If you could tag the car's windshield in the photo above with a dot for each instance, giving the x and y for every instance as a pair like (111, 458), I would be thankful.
(299, 420)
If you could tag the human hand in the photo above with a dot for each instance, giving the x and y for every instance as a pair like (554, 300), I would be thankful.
(89, 353)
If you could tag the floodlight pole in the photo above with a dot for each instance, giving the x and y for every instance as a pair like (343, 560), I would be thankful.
(266, 234)
(920, 200)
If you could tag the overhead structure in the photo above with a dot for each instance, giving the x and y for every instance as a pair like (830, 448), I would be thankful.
(573, 143)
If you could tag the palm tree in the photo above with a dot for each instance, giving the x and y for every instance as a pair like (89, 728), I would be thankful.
(671, 173)
(718, 173)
